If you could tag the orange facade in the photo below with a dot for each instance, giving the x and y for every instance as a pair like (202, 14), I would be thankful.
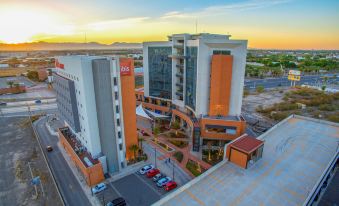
(128, 104)
(239, 125)
(93, 175)
(220, 82)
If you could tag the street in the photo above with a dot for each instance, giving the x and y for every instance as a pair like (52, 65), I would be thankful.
(283, 81)
(67, 183)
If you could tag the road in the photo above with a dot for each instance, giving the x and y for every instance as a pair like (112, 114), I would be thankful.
(23, 110)
(68, 184)
(283, 81)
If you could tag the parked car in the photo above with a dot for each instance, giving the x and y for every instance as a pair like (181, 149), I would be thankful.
(145, 169)
(158, 177)
(98, 188)
(170, 185)
(117, 202)
(163, 181)
(3, 104)
(38, 101)
(152, 172)
(49, 148)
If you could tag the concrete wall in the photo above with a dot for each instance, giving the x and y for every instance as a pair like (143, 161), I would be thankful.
(104, 106)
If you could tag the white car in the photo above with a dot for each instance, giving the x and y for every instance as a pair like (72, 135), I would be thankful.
(98, 188)
(162, 182)
(145, 169)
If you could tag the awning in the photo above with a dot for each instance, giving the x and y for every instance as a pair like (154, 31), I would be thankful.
(141, 112)
(156, 115)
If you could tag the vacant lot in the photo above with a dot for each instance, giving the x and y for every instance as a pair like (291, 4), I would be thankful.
(18, 150)
(306, 102)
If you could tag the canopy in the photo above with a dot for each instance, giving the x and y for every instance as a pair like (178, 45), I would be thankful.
(140, 111)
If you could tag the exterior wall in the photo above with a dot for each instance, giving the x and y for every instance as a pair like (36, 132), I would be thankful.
(105, 112)
(13, 90)
(93, 175)
(66, 101)
(220, 89)
(128, 105)
(240, 125)
(238, 158)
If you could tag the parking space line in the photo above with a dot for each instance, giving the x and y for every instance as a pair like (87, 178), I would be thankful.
(156, 191)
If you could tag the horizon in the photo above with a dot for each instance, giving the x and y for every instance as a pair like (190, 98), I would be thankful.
(275, 24)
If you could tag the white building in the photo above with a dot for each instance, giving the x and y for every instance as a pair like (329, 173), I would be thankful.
(89, 100)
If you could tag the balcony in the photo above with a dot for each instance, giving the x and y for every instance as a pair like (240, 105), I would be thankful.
(179, 84)
(179, 75)
(178, 56)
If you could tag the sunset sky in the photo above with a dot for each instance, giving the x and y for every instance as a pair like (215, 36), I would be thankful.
(281, 24)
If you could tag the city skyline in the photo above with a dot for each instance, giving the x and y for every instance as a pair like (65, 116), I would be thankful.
(276, 24)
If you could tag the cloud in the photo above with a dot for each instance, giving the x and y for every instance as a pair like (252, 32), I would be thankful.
(115, 23)
(224, 9)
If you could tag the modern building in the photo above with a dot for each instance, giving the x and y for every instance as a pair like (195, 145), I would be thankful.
(291, 164)
(95, 97)
(198, 79)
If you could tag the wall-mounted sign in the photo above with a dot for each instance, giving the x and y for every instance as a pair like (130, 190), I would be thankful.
(59, 65)
(126, 66)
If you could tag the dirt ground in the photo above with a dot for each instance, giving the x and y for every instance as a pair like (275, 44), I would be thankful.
(19, 149)
(255, 121)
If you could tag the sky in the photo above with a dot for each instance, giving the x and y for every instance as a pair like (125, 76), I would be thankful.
(266, 24)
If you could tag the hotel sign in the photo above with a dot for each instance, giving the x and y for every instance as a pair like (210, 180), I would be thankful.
(294, 75)
(59, 65)
(126, 66)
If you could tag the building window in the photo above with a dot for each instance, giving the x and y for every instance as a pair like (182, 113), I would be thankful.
(120, 146)
(122, 165)
(119, 135)
(117, 109)
(223, 52)
(118, 122)
(116, 95)
(115, 81)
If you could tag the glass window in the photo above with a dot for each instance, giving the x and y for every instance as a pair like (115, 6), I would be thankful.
(160, 72)
(191, 76)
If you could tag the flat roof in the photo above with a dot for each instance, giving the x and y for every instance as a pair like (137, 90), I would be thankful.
(296, 153)
(247, 144)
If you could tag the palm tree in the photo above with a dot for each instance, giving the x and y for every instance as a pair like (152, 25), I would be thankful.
(209, 146)
(10, 84)
(140, 140)
(134, 148)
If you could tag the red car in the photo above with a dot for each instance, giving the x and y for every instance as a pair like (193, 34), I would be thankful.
(152, 173)
(170, 185)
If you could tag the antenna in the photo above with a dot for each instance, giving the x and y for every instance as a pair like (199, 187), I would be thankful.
(196, 26)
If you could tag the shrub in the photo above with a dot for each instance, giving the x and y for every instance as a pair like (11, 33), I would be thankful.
(33, 75)
(178, 156)
(333, 117)
(260, 89)
(178, 143)
(327, 107)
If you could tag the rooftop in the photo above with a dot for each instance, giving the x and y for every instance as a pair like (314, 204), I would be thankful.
(297, 152)
(247, 144)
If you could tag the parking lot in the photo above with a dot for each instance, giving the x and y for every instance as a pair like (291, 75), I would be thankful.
(136, 189)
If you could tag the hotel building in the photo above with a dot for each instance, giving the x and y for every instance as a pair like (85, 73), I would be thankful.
(96, 100)
(198, 80)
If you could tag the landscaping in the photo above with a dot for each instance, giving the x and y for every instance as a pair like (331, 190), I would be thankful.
(164, 146)
(178, 156)
(305, 101)
(176, 134)
(195, 168)
(178, 143)
(215, 156)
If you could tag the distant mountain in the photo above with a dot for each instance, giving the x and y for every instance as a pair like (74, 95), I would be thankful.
(36, 46)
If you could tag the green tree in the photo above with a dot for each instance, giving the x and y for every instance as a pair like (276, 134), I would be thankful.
(156, 132)
(10, 84)
(33, 75)
(260, 89)
(140, 140)
(209, 147)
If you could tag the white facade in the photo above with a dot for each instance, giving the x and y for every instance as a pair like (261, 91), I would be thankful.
(79, 69)
(206, 44)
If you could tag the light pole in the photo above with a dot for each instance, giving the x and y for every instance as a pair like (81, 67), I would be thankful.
(173, 169)
(155, 157)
